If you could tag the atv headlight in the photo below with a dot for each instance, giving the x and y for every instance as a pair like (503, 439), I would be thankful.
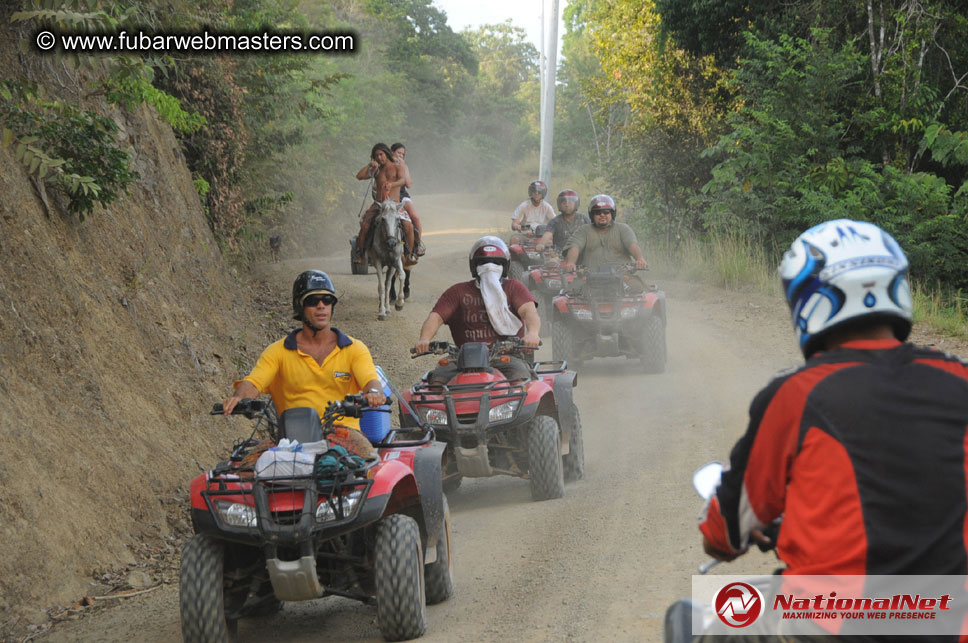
(349, 502)
(554, 284)
(502, 412)
(629, 313)
(433, 416)
(235, 514)
(584, 314)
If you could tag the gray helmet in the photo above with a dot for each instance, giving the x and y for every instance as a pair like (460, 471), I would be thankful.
(539, 187)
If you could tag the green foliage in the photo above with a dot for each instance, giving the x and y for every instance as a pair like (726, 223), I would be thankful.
(494, 124)
(784, 165)
(130, 85)
(216, 152)
(202, 187)
(69, 148)
(789, 161)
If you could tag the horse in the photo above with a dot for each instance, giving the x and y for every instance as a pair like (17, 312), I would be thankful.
(386, 251)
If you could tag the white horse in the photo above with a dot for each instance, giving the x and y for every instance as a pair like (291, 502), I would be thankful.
(386, 251)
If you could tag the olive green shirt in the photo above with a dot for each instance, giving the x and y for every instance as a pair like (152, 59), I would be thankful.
(597, 248)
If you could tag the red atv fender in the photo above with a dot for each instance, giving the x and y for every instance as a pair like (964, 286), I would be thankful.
(409, 478)
(568, 419)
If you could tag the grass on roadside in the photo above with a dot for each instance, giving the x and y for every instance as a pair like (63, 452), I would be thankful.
(945, 311)
(729, 261)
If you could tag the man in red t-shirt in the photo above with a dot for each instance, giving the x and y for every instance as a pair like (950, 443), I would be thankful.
(485, 309)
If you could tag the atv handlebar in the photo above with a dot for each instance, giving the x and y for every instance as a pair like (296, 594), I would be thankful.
(436, 348)
(350, 406)
(249, 407)
(505, 345)
(624, 267)
(510, 344)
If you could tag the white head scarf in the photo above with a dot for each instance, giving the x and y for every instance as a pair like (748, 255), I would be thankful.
(495, 301)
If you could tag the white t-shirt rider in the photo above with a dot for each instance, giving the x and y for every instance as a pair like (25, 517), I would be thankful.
(533, 215)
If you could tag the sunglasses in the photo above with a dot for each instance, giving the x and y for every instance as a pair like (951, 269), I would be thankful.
(314, 300)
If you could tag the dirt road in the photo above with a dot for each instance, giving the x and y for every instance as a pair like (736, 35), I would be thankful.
(601, 564)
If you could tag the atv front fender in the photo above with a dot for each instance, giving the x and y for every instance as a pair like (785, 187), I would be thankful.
(428, 470)
(564, 387)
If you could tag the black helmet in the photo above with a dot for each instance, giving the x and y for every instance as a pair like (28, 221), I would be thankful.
(311, 282)
(600, 203)
(489, 249)
(538, 186)
(569, 196)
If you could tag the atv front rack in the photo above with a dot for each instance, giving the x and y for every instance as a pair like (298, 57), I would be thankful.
(484, 394)
(284, 509)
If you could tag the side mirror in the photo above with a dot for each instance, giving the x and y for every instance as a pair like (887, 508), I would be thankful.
(706, 479)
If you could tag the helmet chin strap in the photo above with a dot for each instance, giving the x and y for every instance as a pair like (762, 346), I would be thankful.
(314, 328)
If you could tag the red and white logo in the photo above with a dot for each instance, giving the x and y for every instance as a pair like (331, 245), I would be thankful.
(738, 604)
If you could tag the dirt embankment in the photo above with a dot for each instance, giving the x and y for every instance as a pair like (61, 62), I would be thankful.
(116, 334)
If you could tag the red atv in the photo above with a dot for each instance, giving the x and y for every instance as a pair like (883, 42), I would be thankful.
(546, 282)
(524, 252)
(610, 313)
(528, 427)
(296, 524)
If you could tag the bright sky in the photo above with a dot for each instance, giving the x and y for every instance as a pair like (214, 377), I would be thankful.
(523, 13)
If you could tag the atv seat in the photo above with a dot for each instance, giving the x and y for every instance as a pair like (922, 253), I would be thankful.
(301, 424)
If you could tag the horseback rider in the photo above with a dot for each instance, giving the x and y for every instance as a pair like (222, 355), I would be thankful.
(604, 241)
(485, 309)
(535, 211)
(387, 178)
(315, 364)
(399, 157)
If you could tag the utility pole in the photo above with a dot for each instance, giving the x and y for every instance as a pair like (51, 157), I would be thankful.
(549, 44)
(541, 65)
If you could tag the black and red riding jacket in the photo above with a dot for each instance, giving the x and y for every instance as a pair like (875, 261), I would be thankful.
(864, 452)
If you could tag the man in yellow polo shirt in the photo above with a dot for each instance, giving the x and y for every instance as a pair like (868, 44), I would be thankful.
(313, 365)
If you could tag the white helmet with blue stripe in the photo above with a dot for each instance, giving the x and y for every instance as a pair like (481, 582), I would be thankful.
(842, 271)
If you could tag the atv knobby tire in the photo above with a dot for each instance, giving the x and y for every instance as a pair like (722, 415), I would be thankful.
(544, 459)
(201, 592)
(401, 609)
(563, 343)
(654, 345)
(440, 573)
(574, 461)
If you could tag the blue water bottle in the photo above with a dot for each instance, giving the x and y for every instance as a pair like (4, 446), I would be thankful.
(375, 423)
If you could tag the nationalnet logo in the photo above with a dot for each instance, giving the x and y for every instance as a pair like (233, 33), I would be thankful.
(839, 605)
(738, 604)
